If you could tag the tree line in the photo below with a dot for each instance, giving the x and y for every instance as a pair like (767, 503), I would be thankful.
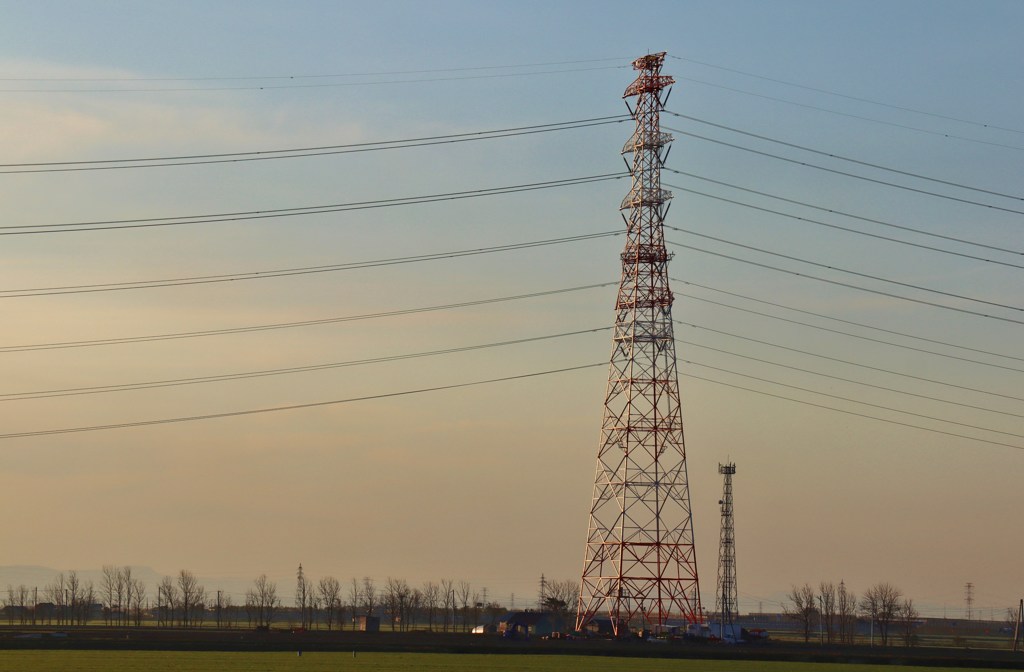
(834, 609)
(122, 599)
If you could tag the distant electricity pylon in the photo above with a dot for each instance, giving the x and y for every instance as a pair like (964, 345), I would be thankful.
(639, 566)
(727, 595)
(969, 599)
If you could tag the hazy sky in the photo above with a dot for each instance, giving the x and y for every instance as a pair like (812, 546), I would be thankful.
(837, 477)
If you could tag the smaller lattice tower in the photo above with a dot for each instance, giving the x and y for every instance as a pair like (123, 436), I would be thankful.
(726, 596)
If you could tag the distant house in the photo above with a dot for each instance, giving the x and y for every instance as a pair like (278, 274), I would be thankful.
(369, 624)
(530, 624)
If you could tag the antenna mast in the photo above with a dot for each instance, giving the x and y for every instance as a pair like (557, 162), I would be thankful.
(727, 595)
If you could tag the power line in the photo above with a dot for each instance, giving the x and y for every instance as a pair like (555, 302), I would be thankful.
(843, 270)
(863, 403)
(292, 407)
(848, 285)
(844, 214)
(844, 158)
(837, 319)
(864, 338)
(835, 226)
(326, 85)
(848, 115)
(292, 325)
(848, 380)
(327, 150)
(375, 73)
(277, 273)
(849, 97)
(846, 361)
(853, 413)
(844, 173)
(177, 382)
(179, 220)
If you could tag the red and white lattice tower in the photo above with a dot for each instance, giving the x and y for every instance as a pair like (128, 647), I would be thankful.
(640, 568)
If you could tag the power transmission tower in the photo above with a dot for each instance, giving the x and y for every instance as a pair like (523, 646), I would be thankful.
(1016, 627)
(969, 599)
(639, 565)
(727, 595)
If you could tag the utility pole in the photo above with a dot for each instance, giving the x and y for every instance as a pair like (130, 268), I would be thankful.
(1017, 627)
(639, 565)
(218, 609)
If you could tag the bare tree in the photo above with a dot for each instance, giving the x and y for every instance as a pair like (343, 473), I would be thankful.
(10, 604)
(879, 603)
(846, 611)
(414, 608)
(56, 594)
(167, 600)
(560, 598)
(229, 612)
(448, 602)
(191, 595)
(827, 604)
(74, 600)
(803, 609)
(266, 601)
(392, 601)
(369, 595)
(465, 592)
(355, 598)
(907, 616)
(124, 593)
(431, 597)
(138, 596)
(330, 597)
(108, 590)
(87, 598)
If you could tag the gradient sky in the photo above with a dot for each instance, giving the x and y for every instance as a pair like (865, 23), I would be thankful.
(492, 483)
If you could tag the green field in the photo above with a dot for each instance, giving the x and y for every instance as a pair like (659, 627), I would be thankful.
(193, 661)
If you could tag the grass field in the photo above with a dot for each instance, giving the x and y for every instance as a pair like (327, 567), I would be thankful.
(192, 661)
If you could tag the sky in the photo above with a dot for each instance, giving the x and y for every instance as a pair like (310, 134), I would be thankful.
(868, 390)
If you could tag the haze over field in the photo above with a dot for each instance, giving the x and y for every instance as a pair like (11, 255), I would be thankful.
(856, 458)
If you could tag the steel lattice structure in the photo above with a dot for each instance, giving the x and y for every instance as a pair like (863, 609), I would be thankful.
(639, 567)
(727, 595)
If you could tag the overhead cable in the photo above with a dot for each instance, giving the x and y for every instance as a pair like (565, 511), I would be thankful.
(859, 336)
(879, 292)
(372, 73)
(846, 380)
(246, 375)
(830, 155)
(292, 407)
(844, 173)
(327, 150)
(262, 275)
(844, 214)
(180, 220)
(848, 115)
(843, 321)
(853, 413)
(848, 96)
(292, 325)
(988, 392)
(855, 401)
(843, 270)
(321, 85)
